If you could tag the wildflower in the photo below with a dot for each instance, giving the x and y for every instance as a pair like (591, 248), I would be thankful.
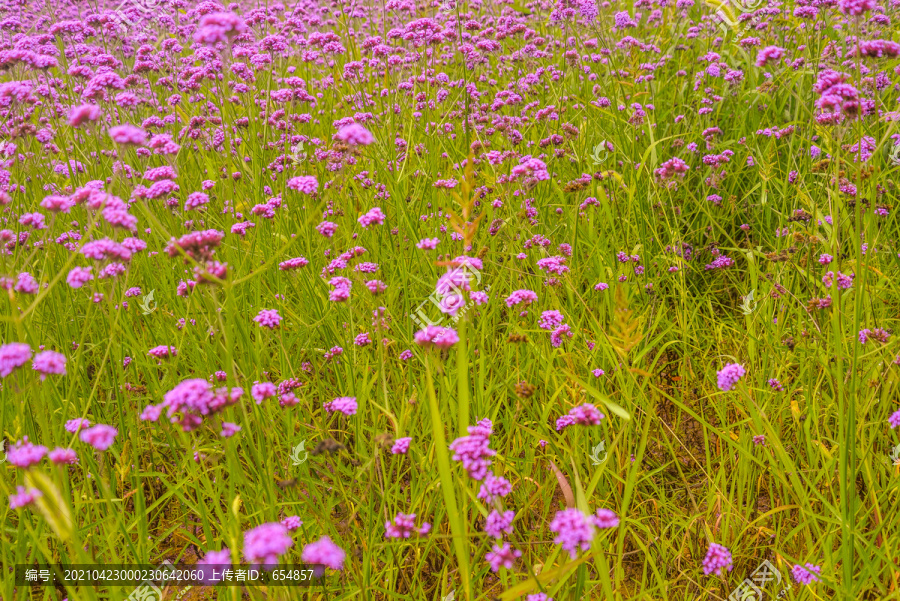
(12, 356)
(307, 184)
(291, 523)
(100, 436)
(268, 318)
(74, 425)
(262, 391)
(343, 404)
(503, 556)
(521, 296)
(473, 450)
(292, 264)
(323, 553)
(729, 375)
(499, 523)
(49, 362)
(326, 228)
(806, 574)
(372, 216)
(128, 134)
(79, 276)
(403, 526)
(401, 446)
(193, 399)
(23, 497)
(60, 455)
(25, 454)
(769, 54)
(266, 543)
(717, 558)
(437, 336)
(221, 559)
(355, 134)
(494, 487)
(759, 440)
(229, 429)
(894, 419)
(574, 531)
(605, 518)
(855, 8)
(586, 415)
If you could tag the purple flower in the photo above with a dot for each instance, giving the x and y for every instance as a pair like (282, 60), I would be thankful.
(268, 318)
(220, 559)
(373, 216)
(292, 523)
(193, 399)
(128, 134)
(806, 574)
(404, 526)
(769, 54)
(574, 531)
(23, 497)
(605, 518)
(585, 415)
(499, 523)
(717, 558)
(262, 391)
(355, 134)
(60, 455)
(12, 356)
(326, 228)
(266, 543)
(342, 404)
(73, 425)
(307, 184)
(493, 487)
(855, 8)
(503, 556)
(473, 451)
(229, 429)
(521, 296)
(729, 375)
(79, 276)
(894, 419)
(325, 553)
(401, 446)
(437, 336)
(24, 454)
(85, 112)
(100, 436)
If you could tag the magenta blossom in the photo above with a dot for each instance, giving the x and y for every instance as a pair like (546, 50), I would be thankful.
(100, 436)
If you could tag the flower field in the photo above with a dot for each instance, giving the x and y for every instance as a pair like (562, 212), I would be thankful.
(450, 300)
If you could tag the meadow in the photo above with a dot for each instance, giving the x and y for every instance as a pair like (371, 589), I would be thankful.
(452, 300)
